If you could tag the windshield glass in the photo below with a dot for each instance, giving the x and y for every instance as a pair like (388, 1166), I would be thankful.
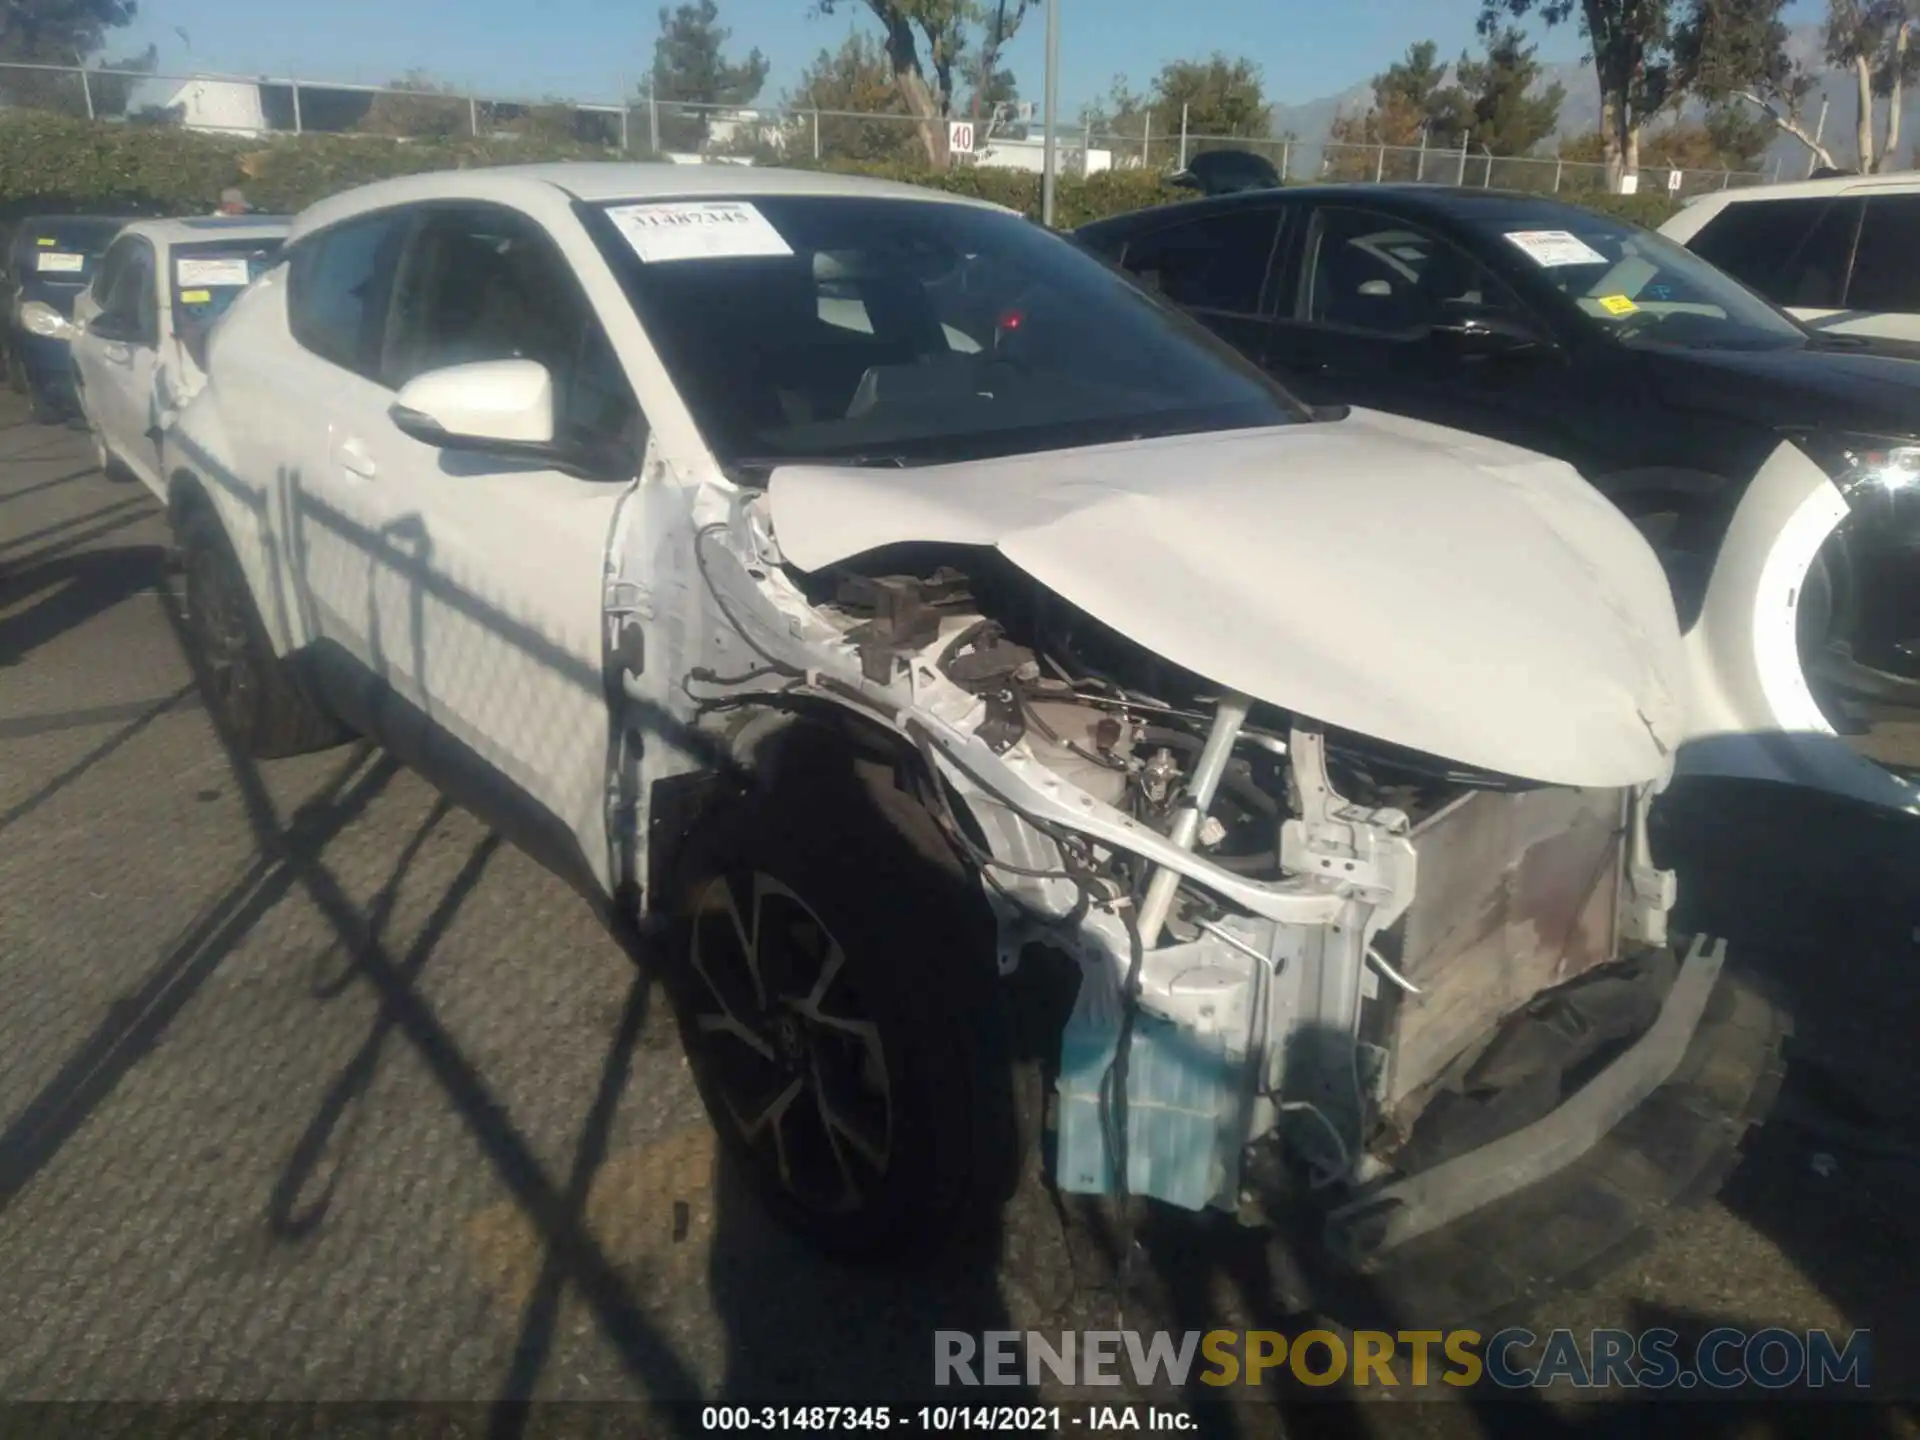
(61, 250)
(909, 332)
(208, 277)
(1641, 288)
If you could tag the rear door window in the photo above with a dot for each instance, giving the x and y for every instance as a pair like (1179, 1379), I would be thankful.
(1794, 252)
(1886, 264)
(1219, 263)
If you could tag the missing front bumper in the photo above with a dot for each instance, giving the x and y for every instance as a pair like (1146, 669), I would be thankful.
(1365, 1231)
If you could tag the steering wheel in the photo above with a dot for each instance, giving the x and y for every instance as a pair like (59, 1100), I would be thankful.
(1638, 323)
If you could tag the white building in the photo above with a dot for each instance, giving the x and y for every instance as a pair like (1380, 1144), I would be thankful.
(229, 107)
(1003, 152)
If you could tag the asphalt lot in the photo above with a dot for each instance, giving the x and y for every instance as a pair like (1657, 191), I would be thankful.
(312, 1090)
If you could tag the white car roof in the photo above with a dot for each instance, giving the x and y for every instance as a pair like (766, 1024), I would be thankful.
(1800, 189)
(199, 229)
(604, 180)
(1695, 213)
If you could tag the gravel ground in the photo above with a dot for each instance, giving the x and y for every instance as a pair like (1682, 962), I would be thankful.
(311, 1089)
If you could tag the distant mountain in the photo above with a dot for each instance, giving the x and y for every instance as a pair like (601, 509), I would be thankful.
(1580, 114)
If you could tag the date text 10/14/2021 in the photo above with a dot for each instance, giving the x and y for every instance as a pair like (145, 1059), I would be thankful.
(945, 1419)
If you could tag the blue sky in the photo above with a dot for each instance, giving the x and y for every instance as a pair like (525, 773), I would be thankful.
(596, 49)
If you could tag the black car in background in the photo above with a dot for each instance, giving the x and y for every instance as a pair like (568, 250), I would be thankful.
(49, 261)
(1226, 172)
(1667, 383)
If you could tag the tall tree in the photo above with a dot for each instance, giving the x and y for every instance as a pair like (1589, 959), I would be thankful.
(858, 112)
(1726, 137)
(1735, 52)
(991, 83)
(926, 43)
(691, 69)
(1217, 96)
(1412, 106)
(1629, 43)
(55, 32)
(1413, 82)
(58, 32)
(1218, 99)
(1494, 98)
(1871, 38)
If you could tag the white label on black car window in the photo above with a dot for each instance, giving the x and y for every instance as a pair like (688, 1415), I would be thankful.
(59, 262)
(1555, 247)
(206, 274)
(697, 230)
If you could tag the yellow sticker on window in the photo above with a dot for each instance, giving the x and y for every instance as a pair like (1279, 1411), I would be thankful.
(195, 297)
(48, 241)
(1617, 305)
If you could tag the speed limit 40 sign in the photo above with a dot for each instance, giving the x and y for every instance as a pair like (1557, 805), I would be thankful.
(960, 137)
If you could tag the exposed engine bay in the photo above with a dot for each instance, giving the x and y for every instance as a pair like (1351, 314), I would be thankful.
(1236, 882)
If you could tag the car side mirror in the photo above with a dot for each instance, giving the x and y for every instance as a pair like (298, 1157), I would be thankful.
(1478, 331)
(499, 408)
(479, 405)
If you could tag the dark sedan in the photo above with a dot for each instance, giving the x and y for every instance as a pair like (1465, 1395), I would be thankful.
(50, 261)
(1668, 384)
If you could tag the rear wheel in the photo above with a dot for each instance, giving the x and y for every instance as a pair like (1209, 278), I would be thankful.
(252, 694)
(833, 970)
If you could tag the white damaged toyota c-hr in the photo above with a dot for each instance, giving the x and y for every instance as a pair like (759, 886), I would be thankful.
(881, 611)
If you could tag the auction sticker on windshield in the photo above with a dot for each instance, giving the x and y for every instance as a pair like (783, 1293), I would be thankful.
(1548, 248)
(227, 270)
(697, 230)
(1617, 305)
(59, 262)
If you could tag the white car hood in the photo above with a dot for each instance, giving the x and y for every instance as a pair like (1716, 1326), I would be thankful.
(1429, 588)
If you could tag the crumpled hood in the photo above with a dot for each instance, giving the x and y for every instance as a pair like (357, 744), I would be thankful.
(1401, 580)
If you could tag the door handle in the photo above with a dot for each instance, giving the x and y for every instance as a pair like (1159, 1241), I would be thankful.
(354, 459)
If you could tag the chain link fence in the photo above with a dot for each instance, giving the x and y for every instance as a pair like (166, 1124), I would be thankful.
(260, 106)
(1308, 161)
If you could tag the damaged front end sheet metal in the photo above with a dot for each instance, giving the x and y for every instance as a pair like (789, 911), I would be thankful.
(1289, 930)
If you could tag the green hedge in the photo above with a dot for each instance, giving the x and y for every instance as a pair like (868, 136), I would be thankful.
(49, 163)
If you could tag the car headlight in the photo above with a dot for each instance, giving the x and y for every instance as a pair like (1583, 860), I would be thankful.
(1868, 467)
(39, 318)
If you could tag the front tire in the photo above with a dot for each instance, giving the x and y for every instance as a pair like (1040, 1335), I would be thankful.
(252, 694)
(832, 965)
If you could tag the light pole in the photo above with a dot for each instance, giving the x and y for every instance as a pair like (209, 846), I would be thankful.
(1049, 155)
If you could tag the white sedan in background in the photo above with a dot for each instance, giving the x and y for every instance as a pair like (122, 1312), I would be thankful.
(140, 329)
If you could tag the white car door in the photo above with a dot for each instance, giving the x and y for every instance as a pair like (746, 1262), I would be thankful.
(121, 357)
(88, 348)
(307, 329)
(486, 588)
